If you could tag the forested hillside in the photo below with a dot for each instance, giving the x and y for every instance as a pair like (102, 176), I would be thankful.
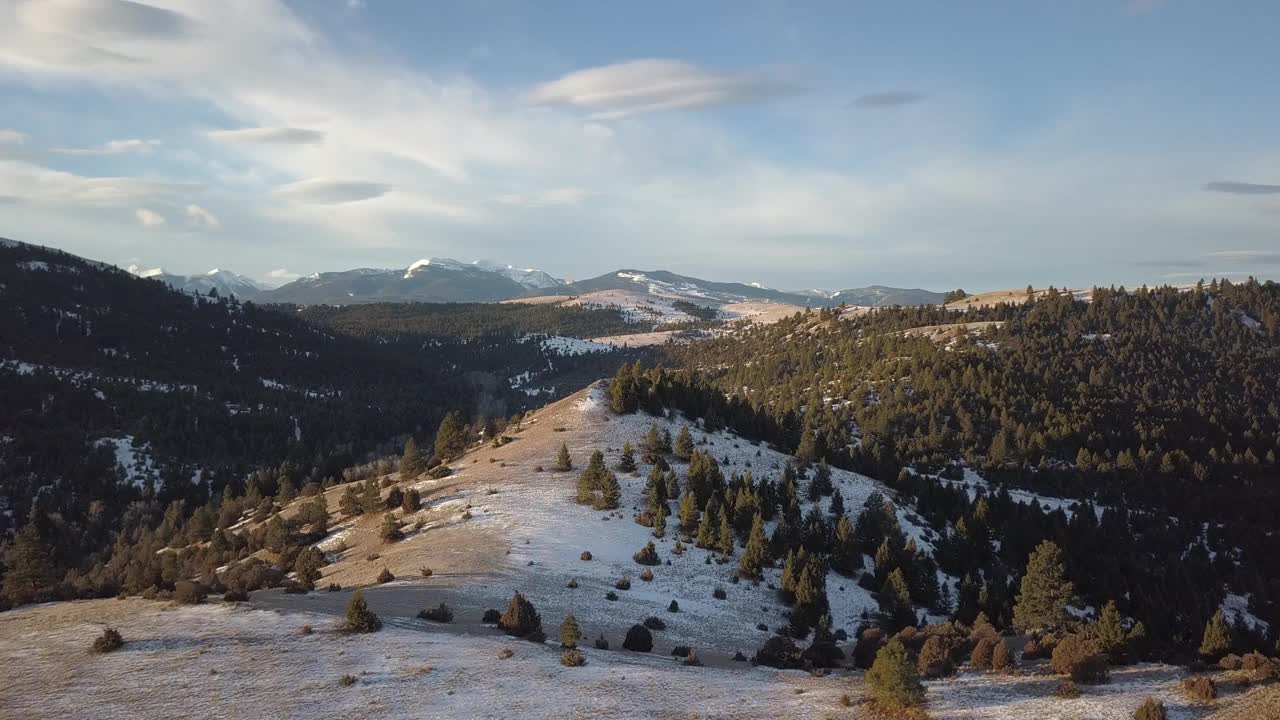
(466, 321)
(1157, 408)
(122, 396)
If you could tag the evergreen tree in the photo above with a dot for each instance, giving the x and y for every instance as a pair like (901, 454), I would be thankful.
(359, 617)
(1045, 590)
(349, 504)
(684, 444)
(896, 611)
(1217, 637)
(892, 680)
(845, 555)
(673, 485)
(688, 514)
(1110, 633)
(725, 541)
(708, 529)
(412, 501)
(756, 554)
(521, 619)
(28, 566)
(285, 492)
(307, 567)
(390, 530)
(563, 462)
(628, 461)
(451, 437)
(653, 440)
(410, 463)
(610, 492)
(570, 634)
(660, 522)
(371, 496)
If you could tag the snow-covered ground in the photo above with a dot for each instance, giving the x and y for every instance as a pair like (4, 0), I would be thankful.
(135, 461)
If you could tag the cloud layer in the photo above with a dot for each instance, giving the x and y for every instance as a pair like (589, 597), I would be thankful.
(1242, 188)
(886, 100)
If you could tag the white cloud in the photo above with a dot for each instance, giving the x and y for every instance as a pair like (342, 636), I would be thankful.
(280, 276)
(557, 197)
(269, 136)
(11, 137)
(328, 191)
(201, 218)
(639, 86)
(149, 218)
(114, 147)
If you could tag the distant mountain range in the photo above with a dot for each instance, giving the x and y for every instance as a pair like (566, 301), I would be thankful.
(439, 280)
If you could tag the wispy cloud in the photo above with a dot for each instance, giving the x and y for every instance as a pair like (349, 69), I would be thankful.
(116, 18)
(280, 276)
(1247, 257)
(1242, 188)
(326, 191)
(114, 147)
(558, 197)
(895, 98)
(200, 218)
(269, 136)
(641, 86)
(12, 137)
(149, 218)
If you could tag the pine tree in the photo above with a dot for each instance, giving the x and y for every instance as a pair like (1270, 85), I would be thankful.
(666, 441)
(896, 611)
(756, 555)
(1110, 633)
(845, 555)
(563, 462)
(410, 463)
(390, 530)
(892, 680)
(570, 634)
(451, 437)
(349, 503)
(653, 440)
(660, 522)
(610, 492)
(359, 617)
(371, 496)
(1045, 590)
(1217, 637)
(673, 485)
(725, 541)
(709, 527)
(684, 444)
(285, 492)
(412, 501)
(28, 566)
(655, 491)
(521, 619)
(307, 567)
(628, 461)
(591, 479)
(688, 514)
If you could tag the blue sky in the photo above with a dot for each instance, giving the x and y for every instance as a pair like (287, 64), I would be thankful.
(807, 144)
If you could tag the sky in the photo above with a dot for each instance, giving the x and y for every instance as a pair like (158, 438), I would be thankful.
(981, 145)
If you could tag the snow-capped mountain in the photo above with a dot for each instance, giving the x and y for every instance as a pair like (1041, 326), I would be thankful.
(427, 280)
(529, 277)
(224, 281)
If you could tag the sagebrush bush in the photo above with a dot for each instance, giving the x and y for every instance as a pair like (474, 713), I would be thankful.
(647, 555)
(108, 641)
(572, 657)
(673, 607)
(1001, 657)
(359, 617)
(1151, 709)
(638, 639)
(385, 576)
(892, 681)
(347, 680)
(441, 614)
(585, 556)
(624, 583)
(1200, 688)
(934, 660)
(691, 659)
(602, 643)
(1078, 657)
(778, 652)
(719, 593)
(869, 643)
(654, 623)
(235, 596)
(1231, 662)
(521, 619)
(1067, 689)
(189, 592)
(646, 575)
(983, 650)
(491, 617)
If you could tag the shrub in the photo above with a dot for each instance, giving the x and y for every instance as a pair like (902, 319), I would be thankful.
(585, 556)
(572, 657)
(1260, 667)
(569, 632)
(347, 680)
(778, 652)
(624, 583)
(601, 643)
(982, 654)
(385, 576)
(426, 572)
(1078, 657)
(611, 596)
(188, 592)
(1151, 709)
(864, 651)
(638, 639)
(108, 641)
(647, 555)
(335, 587)
(935, 658)
(359, 617)
(1001, 658)
(1034, 650)
(505, 653)
(305, 630)
(441, 614)
(654, 623)
(691, 660)
(491, 617)
(1231, 662)
(572, 584)
(673, 607)
(1067, 689)
(646, 575)
(235, 596)
(719, 593)
(1200, 688)
(521, 618)
(892, 680)
(680, 651)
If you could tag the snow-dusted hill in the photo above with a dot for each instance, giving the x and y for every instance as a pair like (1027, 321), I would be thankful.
(224, 281)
